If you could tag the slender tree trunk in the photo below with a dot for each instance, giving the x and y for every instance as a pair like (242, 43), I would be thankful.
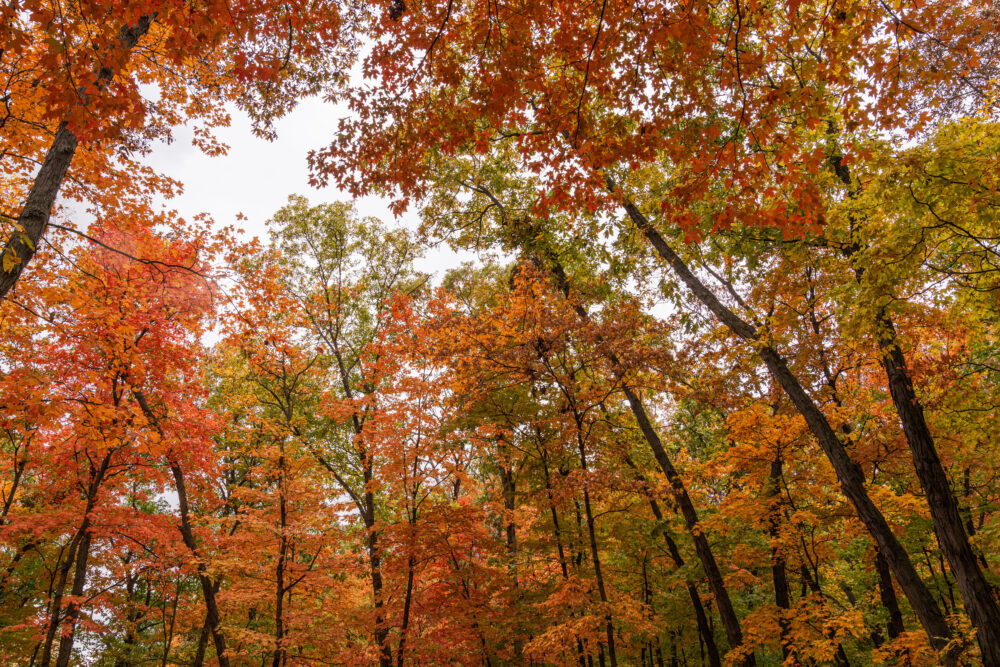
(563, 565)
(78, 553)
(187, 536)
(849, 474)
(595, 555)
(701, 618)
(779, 577)
(55, 605)
(34, 216)
(207, 587)
(703, 549)
(375, 565)
(279, 588)
(73, 609)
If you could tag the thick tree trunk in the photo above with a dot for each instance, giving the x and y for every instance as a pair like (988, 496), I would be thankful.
(849, 474)
(977, 593)
(34, 216)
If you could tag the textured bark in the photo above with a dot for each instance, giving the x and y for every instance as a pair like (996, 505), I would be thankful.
(34, 216)
(779, 577)
(704, 550)
(852, 482)
(888, 596)
(977, 593)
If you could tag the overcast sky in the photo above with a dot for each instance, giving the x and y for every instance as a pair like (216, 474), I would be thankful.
(256, 176)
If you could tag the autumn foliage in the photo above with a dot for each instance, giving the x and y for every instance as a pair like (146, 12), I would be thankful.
(720, 386)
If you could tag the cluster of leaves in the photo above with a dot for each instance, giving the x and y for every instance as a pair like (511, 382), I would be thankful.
(753, 420)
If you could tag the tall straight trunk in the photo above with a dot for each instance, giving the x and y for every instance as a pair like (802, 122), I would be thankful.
(34, 216)
(278, 657)
(779, 577)
(508, 485)
(849, 474)
(595, 557)
(411, 566)
(557, 531)
(411, 563)
(703, 549)
(375, 566)
(977, 593)
(701, 618)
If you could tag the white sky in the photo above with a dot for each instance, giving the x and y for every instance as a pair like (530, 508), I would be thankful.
(256, 176)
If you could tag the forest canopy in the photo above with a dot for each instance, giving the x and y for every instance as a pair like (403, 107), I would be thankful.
(720, 385)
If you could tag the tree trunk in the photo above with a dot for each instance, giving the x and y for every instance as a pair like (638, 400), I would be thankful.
(701, 618)
(34, 216)
(779, 577)
(977, 593)
(679, 491)
(279, 589)
(849, 474)
(73, 609)
(596, 559)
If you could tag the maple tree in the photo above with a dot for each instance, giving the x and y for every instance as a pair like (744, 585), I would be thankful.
(720, 388)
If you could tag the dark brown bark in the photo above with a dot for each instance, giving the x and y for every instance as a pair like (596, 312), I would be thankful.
(208, 589)
(779, 577)
(888, 596)
(703, 549)
(701, 618)
(595, 557)
(34, 216)
(977, 593)
(849, 474)
(278, 657)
